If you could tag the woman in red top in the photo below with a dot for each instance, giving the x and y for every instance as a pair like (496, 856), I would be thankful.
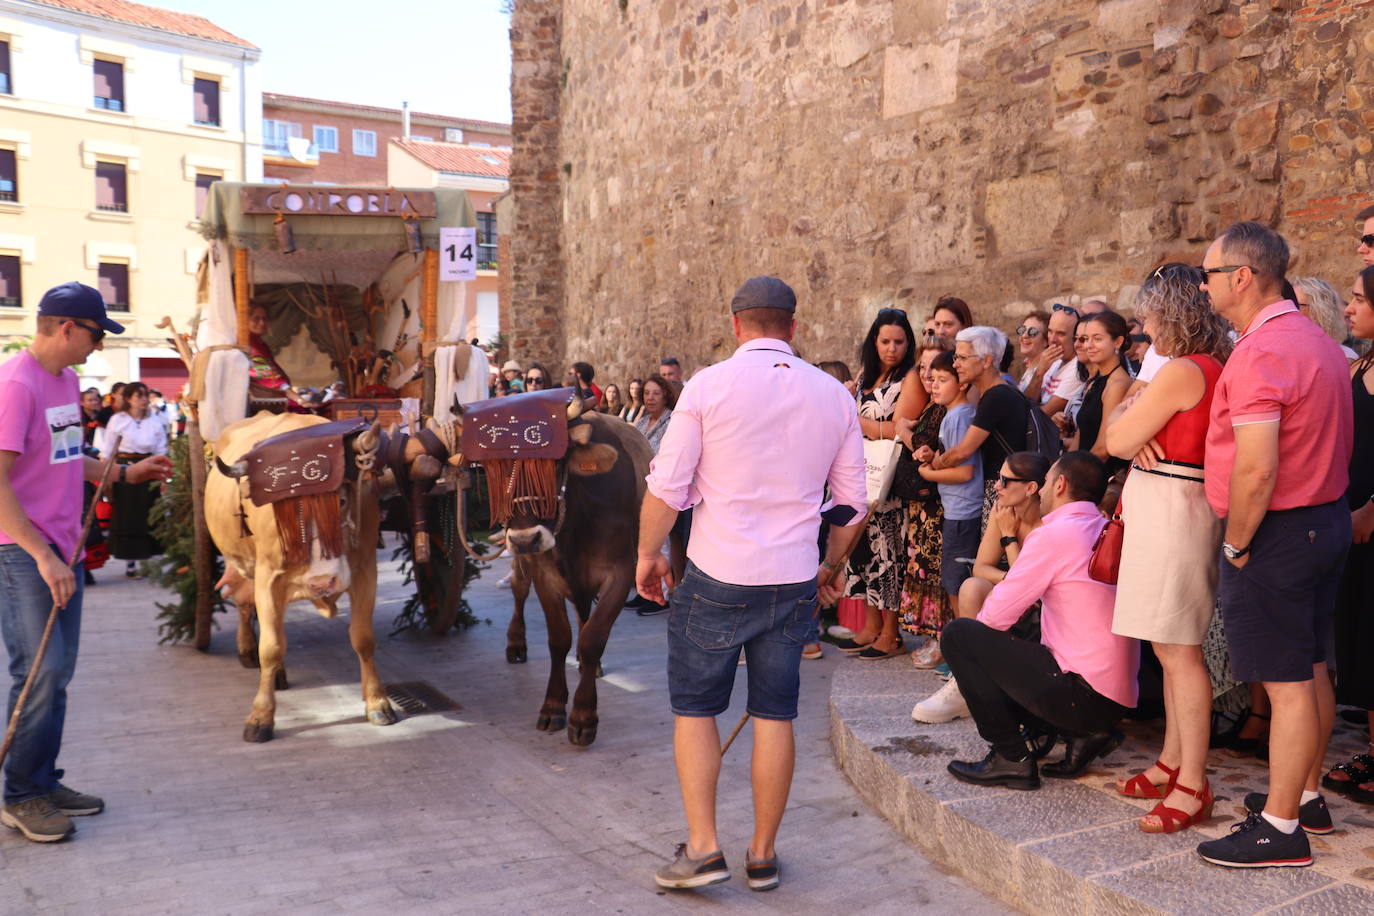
(1166, 591)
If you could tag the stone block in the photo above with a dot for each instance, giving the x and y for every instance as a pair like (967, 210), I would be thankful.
(918, 20)
(1023, 213)
(1127, 22)
(855, 34)
(1058, 808)
(919, 77)
(1184, 883)
(1258, 126)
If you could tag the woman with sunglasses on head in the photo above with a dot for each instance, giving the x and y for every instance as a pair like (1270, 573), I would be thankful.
(1015, 514)
(1032, 339)
(889, 390)
(1167, 587)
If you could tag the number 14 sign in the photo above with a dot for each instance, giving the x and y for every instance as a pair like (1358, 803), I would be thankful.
(458, 253)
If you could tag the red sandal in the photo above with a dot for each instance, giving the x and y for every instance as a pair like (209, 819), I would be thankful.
(1173, 820)
(1140, 787)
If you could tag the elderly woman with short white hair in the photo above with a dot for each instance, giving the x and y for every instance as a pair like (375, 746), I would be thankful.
(1319, 301)
(999, 424)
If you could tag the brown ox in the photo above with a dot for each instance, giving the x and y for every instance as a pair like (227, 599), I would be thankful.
(247, 536)
(585, 552)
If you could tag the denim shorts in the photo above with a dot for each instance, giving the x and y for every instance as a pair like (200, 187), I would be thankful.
(711, 621)
(1277, 609)
(958, 538)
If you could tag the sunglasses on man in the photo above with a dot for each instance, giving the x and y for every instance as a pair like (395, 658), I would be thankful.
(97, 333)
(1229, 268)
(1367, 240)
(1061, 307)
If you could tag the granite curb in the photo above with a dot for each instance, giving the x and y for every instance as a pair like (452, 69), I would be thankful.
(1073, 848)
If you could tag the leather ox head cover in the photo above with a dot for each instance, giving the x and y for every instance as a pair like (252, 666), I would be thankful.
(520, 439)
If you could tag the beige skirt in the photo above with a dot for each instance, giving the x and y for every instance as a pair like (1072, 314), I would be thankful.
(1167, 589)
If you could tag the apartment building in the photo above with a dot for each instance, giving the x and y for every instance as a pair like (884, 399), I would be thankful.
(114, 119)
(316, 141)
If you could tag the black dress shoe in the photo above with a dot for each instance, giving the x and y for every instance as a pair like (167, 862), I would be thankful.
(996, 770)
(1083, 751)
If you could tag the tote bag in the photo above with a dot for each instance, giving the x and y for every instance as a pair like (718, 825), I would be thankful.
(880, 463)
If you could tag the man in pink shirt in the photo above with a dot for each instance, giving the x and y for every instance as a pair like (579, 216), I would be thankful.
(1278, 455)
(753, 443)
(1080, 679)
(42, 465)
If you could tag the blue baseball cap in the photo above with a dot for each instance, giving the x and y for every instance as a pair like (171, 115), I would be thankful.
(77, 300)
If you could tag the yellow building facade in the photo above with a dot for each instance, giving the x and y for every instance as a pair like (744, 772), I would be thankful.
(113, 131)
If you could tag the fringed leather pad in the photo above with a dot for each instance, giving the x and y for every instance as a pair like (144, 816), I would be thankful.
(533, 425)
(304, 462)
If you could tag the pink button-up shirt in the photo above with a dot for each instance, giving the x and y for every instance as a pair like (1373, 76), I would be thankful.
(1076, 610)
(1285, 370)
(753, 442)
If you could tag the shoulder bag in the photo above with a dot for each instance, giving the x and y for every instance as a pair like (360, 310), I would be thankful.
(1105, 565)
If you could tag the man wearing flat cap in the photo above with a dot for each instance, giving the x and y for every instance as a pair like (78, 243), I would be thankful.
(753, 443)
(42, 465)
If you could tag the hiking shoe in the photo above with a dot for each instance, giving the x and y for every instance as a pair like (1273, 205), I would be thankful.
(38, 820)
(1314, 817)
(945, 705)
(762, 873)
(942, 671)
(687, 872)
(73, 803)
(1256, 843)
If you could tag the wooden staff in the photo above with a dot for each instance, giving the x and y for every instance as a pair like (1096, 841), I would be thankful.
(734, 734)
(52, 615)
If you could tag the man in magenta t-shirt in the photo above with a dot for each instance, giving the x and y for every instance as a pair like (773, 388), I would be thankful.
(1278, 451)
(42, 466)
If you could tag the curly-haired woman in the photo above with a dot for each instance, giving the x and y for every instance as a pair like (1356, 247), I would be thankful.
(1167, 587)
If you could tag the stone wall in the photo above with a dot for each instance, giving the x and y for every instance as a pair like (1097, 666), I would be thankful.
(885, 152)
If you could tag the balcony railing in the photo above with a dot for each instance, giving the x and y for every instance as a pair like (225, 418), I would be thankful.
(109, 104)
(298, 148)
(113, 208)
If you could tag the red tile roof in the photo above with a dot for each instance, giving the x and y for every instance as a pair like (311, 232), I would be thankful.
(284, 100)
(152, 17)
(487, 161)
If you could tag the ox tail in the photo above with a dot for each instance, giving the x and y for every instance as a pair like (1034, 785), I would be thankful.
(303, 517)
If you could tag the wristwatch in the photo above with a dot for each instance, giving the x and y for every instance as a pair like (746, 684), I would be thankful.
(123, 473)
(1233, 552)
(1010, 539)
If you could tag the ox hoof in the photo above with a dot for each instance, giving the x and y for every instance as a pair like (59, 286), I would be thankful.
(383, 715)
(257, 734)
(249, 659)
(582, 735)
(551, 722)
(279, 682)
(516, 655)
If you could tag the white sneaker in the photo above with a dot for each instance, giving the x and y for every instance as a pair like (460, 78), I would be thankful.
(944, 705)
(504, 581)
(840, 632)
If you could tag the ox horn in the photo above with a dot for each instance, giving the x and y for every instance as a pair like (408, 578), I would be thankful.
(236, 470)
(575, 407)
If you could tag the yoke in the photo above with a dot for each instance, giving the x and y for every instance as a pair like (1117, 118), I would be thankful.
(519, 426)
(303, 462)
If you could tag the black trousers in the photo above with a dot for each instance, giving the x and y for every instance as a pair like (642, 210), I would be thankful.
(1009, 682)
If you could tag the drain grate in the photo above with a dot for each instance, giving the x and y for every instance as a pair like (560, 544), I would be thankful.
(418, 697)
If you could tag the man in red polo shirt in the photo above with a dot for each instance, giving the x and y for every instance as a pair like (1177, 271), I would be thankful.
(1278, 450)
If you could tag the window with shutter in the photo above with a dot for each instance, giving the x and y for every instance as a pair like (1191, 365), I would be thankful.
(205, 94)
(113, 283)
(9, 175)
(10, 296)
(364, 143)
(111, 187)
(109, 84)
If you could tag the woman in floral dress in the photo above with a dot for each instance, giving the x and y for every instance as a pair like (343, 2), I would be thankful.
(925, 607)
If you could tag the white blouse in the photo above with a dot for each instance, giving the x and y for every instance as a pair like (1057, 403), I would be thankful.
(138, 436)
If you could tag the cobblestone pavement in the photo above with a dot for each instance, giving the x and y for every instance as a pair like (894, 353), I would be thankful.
(461, 812)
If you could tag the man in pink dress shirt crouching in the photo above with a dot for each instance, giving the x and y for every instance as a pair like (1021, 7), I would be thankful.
(1080, 679)
(753, 443)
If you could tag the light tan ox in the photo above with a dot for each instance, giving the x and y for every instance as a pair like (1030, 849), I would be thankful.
(258, 558)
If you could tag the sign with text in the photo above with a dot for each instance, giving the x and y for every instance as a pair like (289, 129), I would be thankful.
(335, 201)
(458, 253)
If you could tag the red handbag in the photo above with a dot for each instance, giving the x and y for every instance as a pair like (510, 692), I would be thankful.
(1105, 564)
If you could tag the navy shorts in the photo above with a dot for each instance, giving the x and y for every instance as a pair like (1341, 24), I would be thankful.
(958, 538)
(711, 621)
(1277, 609)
